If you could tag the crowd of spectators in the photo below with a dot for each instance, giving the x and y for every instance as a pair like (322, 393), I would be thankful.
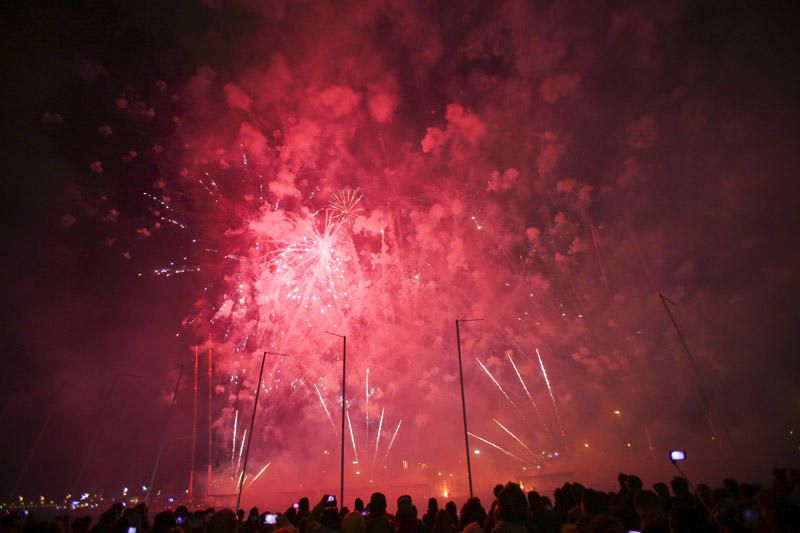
(678, 507)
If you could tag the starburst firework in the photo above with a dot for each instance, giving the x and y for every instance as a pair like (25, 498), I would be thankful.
(345, 205)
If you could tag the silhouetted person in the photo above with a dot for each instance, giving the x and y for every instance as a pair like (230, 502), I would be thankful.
(651, 512)
(224, 521)
(303, 509)
(406, 517)
(488, 524)
(329, 520)
(605, 524)
(443, 523)
(430, 515)
(662, 490)
(163, 522)
(541, 515)
(377, 521)
(354, 522)
(511, 510)
(472, 512)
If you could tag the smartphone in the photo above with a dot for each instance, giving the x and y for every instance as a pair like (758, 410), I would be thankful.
(270, 519)
(677, 455)
(180, 520)
(131, 529)
(364, 513)
(331, 500)
(750, 515)
(296, 506)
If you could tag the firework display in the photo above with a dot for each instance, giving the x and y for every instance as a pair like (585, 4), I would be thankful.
(323, 218)
(239, 183)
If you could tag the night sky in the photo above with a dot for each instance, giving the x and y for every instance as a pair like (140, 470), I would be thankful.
(549, 166)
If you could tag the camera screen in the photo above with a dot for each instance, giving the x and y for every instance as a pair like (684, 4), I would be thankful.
(677, 455)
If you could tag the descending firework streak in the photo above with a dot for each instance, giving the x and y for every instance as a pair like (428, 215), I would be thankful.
(528, 394)
(378, 438)
(552, 396)
(391, 442)
(499, 387)
(496, 446)
(255, 478)
(325, 408)
(352, 437)
(513, 436)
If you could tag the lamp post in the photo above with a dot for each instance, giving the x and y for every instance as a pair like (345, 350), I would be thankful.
(463, 402)
(344, 407)
(252, 423)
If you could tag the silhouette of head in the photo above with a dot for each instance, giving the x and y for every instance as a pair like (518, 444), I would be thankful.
(377, 504)
(512, 504)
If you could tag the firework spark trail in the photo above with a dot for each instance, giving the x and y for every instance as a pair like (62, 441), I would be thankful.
(241, 449)
(233, 445)
(389, 448)
(257, 476)
(513, 436)
(325, 407)
(533, 402)
(352, 437)
(552, 396)
(494, 380)
(378, 438)
(649, 440)
(502, 390)
(490, 443)
(172, 271)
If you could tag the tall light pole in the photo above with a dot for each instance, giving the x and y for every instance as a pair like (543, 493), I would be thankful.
(344, 407)
(210, 418)
(194, 423)
(252, 423)
(163, 437)
(463, 402)
(704, 399)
